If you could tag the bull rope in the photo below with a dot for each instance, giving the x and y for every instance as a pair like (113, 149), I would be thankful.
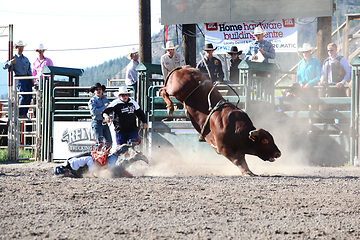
(209, 101)
(212, 110)
(167, 77)
(200, 84)
(217, 106)
(206, 66)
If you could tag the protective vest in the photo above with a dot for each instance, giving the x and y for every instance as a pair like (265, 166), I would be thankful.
(337, 71)
(100, 153)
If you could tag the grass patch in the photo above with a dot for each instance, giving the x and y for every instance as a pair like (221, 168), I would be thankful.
(22, 154)
(3, 154)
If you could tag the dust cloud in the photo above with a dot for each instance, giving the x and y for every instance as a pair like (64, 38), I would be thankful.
(176, 162)
(170, 163)
(99, 172)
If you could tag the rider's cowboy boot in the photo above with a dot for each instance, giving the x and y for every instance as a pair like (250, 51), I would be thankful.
(137, 157)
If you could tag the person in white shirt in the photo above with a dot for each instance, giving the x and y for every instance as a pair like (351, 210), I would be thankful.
(131, 74)
(171, 59)
(335, 71)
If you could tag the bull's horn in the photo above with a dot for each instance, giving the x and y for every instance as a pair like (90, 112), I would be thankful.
(253, 134)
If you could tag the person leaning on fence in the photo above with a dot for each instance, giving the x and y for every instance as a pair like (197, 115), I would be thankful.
(97, 105)
(21, 68)
(125, 110)
(308, 72)
(171, 59)
(234, 63)
(39, 64)
(335, 71)
(260, 45)
(131, 74)
(211, 64)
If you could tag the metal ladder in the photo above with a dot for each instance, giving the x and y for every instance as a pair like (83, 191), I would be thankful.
(19, 136)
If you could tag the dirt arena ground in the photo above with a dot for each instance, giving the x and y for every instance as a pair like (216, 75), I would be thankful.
(181, 201)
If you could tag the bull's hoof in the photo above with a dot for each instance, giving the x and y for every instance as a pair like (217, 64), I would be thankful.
(170, 111)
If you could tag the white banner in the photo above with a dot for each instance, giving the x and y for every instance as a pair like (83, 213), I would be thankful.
(282, 34)
(72, 138)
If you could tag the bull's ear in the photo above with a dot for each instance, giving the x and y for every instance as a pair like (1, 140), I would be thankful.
(253, 134)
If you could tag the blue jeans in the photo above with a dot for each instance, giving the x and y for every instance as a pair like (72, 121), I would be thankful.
(24, 86)
(122, 138)
(101, 130)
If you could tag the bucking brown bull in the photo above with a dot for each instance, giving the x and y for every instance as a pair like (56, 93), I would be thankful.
(226, 128)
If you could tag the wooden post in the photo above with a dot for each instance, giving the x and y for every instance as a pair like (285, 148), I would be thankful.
(346, 39)
(189, 44)
(323, 37)
(144, 31)
(144, 45)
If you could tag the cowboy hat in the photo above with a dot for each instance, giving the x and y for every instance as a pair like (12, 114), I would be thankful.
(306, 47)
(130, 53)
(258, 30)
(97, 85)
(235, 50)
(19, 44)
(41, 47)
(170, 45)
(122, 90)
(209, 46)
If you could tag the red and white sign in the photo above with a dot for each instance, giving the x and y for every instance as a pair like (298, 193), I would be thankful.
(282, 34)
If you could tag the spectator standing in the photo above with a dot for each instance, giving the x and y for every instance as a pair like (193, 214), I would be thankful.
(40, 62)
(260, 45)
(335, 71)
(131, 74)
(234, 63)
(97, 105)
(125, 111)
(211, 64)
(171, 59)
(21, 68)
(308, 72)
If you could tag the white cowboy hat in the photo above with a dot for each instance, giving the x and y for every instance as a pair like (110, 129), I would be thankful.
(306, 47)
(258, 30)
(129, 54)
(19, 44)
(123, 90)
(170, 45)
(41, 47)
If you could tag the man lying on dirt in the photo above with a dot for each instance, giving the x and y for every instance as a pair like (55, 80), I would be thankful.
(100, 159)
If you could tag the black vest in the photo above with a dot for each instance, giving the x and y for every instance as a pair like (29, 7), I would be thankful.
(234, 71)
(337, 71)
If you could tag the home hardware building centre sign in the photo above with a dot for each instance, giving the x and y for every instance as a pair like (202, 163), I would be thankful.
(282, 34)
